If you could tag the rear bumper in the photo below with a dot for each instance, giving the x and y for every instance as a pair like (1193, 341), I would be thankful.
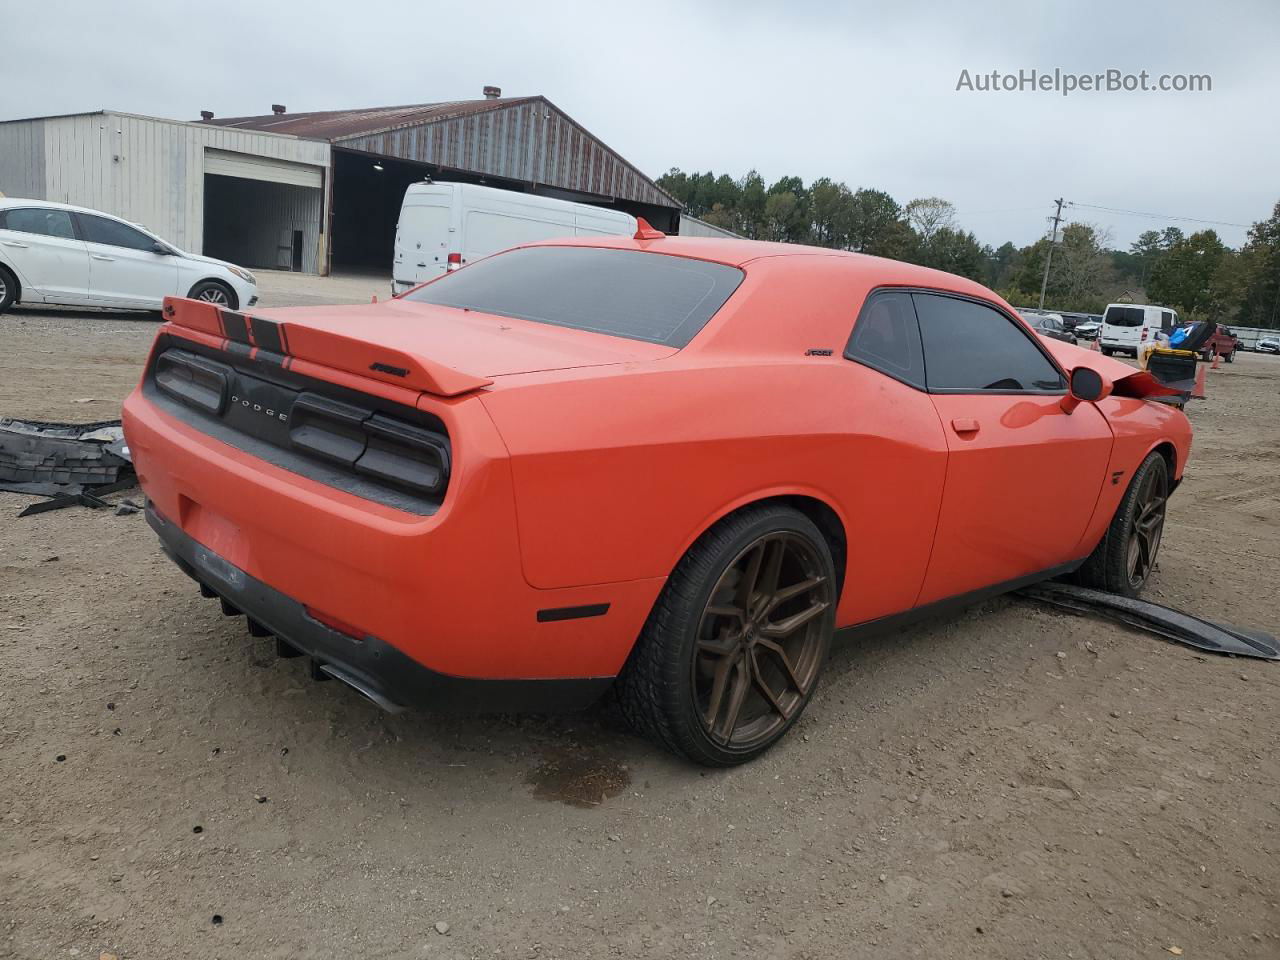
(371, 666)
(445, 590)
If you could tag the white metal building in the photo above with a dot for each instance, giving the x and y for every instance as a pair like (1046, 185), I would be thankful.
(251, 197)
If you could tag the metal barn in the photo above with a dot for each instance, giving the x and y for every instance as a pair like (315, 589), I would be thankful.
(518, 143)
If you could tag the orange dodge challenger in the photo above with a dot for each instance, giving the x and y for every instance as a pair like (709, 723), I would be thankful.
(668, 466)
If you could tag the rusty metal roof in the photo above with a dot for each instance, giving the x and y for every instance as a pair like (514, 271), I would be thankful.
(340, 124)
(520, 138)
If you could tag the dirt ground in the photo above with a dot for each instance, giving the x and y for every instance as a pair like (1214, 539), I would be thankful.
(169, 789)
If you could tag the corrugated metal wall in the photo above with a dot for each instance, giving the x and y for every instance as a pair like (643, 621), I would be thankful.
(534, 142)
(146, 169)
(22, 159)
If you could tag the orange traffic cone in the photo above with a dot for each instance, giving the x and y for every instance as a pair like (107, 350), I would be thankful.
(1215, 359)
(375, 299)
(1095, 345)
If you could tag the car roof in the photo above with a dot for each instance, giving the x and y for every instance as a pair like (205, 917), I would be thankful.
(739, 253)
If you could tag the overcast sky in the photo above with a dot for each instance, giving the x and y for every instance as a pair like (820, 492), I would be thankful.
(860, 92)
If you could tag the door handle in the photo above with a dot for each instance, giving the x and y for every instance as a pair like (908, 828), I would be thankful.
(965, 426)
(15, 243)
(98, 256)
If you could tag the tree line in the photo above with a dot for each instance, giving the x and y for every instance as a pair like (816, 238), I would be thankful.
(1196, 274)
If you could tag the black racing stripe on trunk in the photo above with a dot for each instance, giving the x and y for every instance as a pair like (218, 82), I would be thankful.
(235, 325)
(266, 334)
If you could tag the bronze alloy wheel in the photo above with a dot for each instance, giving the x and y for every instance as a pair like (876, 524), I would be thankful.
(1148, 525)
(761, 640)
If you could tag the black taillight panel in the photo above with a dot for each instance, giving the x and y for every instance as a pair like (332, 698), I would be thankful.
(404, 454)
(194, 380)
(328, 428)
(385, 452)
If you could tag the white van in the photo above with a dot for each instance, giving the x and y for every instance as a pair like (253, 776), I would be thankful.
(1127, 326)
(446, 225)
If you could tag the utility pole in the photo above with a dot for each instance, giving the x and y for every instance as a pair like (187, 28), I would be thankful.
(1053, 238)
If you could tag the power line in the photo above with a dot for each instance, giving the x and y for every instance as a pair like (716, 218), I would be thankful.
(1155, 216)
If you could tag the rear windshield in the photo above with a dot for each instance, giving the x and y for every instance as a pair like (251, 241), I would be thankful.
(1125, 316)
(623, 293)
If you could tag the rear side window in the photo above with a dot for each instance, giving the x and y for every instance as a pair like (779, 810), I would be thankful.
(1166, 320)
(887, 338)
(42, 222)
(973, 348)
(1124, 316)
(622, 293)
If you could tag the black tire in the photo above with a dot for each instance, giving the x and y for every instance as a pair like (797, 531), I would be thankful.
(8, 288)
(661, 686)
(1106, 351)
(1231, 357)
(1110, 566)
(215, 291)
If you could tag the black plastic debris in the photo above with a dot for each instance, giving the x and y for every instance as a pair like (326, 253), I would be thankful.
(1160, 620)
(70, 463)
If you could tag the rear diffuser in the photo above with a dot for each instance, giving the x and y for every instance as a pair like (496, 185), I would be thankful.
(1162, 621)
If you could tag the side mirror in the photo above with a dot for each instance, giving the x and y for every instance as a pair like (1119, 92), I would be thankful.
(161, 249)
(1086, 386)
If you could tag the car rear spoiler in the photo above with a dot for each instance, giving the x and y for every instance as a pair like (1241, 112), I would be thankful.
(283, 341)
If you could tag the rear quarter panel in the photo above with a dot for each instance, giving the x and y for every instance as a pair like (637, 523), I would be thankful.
(617, 471)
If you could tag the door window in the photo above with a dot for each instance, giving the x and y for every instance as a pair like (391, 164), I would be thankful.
(886, 337)
(970, 347)
(42, 222)
(114, 233)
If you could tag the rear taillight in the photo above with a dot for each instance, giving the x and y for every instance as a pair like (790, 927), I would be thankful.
(193, 380)
(455, 261)
(376, 445)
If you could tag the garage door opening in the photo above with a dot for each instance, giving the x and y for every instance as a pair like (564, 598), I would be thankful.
(367, 193)
(262, 213)
(368, 190)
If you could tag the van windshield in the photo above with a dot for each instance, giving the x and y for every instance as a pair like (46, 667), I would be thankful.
(1124, 316)
(622, 293)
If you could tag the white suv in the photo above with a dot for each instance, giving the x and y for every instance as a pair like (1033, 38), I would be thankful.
(54, 253)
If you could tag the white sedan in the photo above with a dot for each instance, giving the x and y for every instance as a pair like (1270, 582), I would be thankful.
(54, 253)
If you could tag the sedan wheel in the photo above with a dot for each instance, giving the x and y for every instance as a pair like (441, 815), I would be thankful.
(733, 649)
(211, 291)
(8, 289)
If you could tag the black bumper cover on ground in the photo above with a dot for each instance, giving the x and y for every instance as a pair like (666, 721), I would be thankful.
(375, 668)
